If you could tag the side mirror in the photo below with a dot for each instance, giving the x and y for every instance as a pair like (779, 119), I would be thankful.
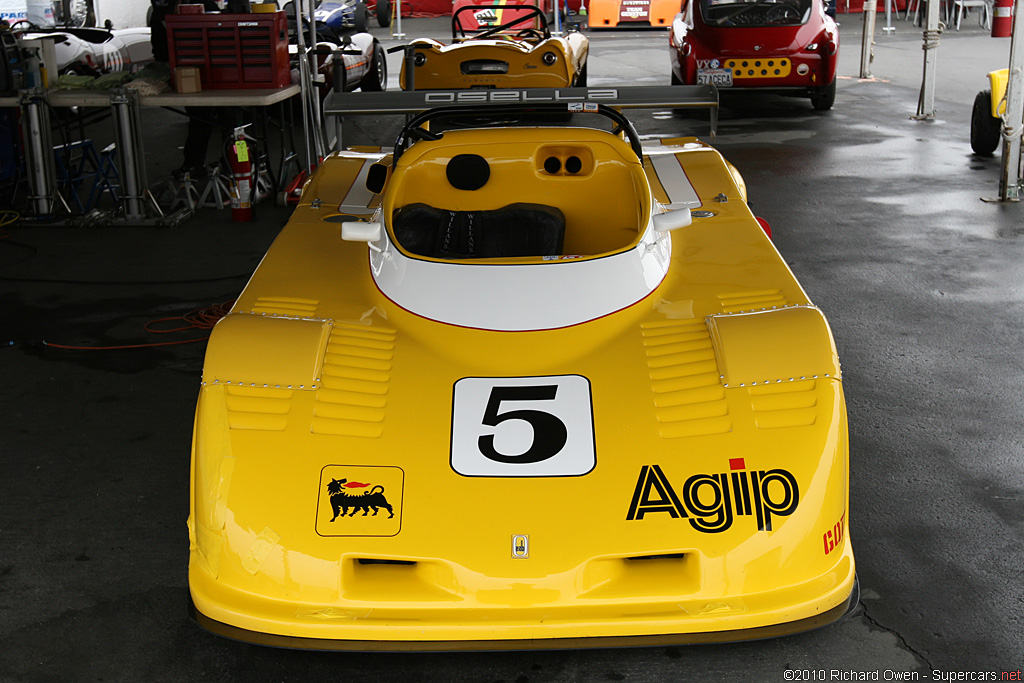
(680, 218)
(377, 178)
(359, 231)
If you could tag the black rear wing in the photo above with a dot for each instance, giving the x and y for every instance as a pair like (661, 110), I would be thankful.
(340, 105)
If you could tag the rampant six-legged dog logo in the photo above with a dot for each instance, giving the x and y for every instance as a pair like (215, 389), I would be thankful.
(341, 500)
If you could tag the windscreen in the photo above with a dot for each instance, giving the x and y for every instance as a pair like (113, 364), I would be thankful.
(748, 13)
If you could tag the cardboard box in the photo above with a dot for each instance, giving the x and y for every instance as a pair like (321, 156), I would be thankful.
(186, 80)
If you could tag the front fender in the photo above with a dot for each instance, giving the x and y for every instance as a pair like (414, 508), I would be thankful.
(997, 82)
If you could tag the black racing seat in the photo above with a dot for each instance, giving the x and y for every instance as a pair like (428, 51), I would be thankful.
(515, 230)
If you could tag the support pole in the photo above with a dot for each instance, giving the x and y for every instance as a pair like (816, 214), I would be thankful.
(868, 39)
(124, 106)
(398, 21)
(304, 83)
(1013, 118)
(932, 31)
(888, 28)
(35, 127)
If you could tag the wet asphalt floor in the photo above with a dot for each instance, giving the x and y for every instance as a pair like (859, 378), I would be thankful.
(879, 215)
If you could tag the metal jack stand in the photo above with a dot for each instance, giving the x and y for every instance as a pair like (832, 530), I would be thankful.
(138, 204)
(42, 176)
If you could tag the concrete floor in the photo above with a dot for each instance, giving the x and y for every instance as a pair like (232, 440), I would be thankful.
(880, 217)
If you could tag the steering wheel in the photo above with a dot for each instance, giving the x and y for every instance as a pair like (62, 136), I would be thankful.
(782, 14)
(529, 33)
(29, 26)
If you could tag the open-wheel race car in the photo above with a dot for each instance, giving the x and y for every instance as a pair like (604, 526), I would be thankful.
(519, 52)
(346, 61)
(353, 14)
(787, 46)
(520, 387)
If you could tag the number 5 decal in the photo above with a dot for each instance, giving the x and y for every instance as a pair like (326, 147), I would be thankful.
(549, 433)
(522, 427)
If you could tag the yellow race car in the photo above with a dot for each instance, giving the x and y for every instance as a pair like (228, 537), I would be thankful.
(987, 114)
(520, 387)
(518, 53)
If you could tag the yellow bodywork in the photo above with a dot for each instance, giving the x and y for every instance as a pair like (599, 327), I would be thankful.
(519, 63)
(997, 82)
(717, 505)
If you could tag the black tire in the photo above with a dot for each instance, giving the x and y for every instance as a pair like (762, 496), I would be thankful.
(80, 13)
(822, 99)
(581, 77)
(675, 79)
(376, 78)
(985, 128)
(384, 13)
(361, 18)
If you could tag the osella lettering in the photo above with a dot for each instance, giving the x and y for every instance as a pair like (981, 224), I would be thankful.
(710, 502)
(516, 96)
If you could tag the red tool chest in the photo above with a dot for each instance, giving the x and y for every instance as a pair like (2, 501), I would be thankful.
(232, 50)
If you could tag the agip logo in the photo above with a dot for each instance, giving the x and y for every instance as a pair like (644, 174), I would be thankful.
(711, 502)
(359, 500)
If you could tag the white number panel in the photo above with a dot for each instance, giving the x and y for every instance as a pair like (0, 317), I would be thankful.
(523, 427)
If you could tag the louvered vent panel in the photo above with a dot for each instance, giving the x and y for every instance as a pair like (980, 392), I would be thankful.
(737, 302)
(286, 306)
(786, 404)
(259, 408)
(688, 395)
(354, 381)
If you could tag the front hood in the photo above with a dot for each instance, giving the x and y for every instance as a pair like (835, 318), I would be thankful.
(412, 468)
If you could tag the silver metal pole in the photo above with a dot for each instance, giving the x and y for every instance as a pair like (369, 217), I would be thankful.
(932, 31)
(124, 106)
(888, 17)
(1013, 119)
(868, 39)
(398, 20)
(558, 19)
(303, 80)
(35, 126)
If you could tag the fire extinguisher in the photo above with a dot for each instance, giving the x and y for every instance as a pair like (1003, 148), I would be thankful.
(240, 157)
(1002, 18)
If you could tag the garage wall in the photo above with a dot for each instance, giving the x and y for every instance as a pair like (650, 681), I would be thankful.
(122, 13)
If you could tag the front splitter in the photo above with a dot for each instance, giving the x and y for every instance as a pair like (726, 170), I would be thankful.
(833, 615)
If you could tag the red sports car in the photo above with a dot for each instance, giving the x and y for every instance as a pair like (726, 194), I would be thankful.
(790, 46)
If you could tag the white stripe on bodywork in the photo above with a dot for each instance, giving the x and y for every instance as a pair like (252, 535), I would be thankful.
(520, 297)
(674, 181)
(358, 197)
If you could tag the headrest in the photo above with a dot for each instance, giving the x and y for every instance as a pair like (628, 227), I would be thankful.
(468, 172)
